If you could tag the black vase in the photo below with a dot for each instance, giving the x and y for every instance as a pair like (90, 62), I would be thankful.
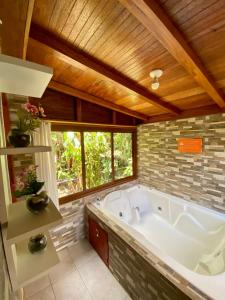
(19, 139)
(37, 203)
(37, 243)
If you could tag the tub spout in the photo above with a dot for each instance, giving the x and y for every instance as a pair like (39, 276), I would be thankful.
(136, 214)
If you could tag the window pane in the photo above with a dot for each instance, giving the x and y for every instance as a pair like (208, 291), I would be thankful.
(97, 146)
(67, 149)
(123, 162)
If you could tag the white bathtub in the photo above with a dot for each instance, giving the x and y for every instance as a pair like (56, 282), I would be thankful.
(187, 237)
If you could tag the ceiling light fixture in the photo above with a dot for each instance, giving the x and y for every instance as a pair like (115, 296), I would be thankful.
(155, 74)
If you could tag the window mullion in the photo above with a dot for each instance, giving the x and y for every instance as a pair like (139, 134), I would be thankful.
(83, 161)
(134, 153)
(112, 157)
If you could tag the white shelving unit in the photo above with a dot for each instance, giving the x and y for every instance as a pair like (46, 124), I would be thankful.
(22, 223)
(19, 224)
(27, 266)
(32, 266)
(23, 150)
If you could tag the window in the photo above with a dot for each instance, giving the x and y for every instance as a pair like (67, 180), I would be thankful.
(98, 158)
(123, 160)
(87, 160)
(67, 149)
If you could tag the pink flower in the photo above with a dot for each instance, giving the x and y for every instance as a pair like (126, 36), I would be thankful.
(32, 109)
(41, 111)
(32, 168)
(19, 184)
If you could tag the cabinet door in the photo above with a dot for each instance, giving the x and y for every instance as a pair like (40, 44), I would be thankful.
(98, 238)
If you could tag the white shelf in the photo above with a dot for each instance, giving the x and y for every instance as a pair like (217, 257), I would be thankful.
(24, 150)
(31, 266)
(22, 77)
(23, 224)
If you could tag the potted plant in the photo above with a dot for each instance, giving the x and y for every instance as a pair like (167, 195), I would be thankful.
(27, 185)
(29, 118)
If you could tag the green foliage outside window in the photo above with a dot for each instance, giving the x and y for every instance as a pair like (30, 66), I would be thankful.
(123, 155)
(67, 149)
(98, 159)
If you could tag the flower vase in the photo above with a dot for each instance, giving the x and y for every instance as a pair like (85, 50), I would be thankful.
(37, 203)
(37, 243)
(19, 139)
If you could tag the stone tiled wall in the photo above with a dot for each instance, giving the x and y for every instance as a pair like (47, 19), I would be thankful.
(195, 177)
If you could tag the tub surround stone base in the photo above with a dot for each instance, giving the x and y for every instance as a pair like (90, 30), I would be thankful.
(142, 274)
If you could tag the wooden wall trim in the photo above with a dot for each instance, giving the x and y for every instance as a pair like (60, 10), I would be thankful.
(90, 126)
(79, 110)
(154, 18)
(112, 160)
(201, 111)
(74, 54)
(93, 99)
(83, 161)
(79, 195)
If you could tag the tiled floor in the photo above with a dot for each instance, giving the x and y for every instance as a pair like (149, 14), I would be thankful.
(81, 275)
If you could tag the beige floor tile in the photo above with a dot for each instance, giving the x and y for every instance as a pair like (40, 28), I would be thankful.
(45, 294)
(117, 292)
(36, 286)
(94, 270)
(64, 255)
(82, 253)
(81, 247)
(71, 288)
(97, 278)
(81, 275)
(65, 267)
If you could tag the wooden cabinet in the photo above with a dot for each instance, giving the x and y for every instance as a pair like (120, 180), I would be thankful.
(98, 238)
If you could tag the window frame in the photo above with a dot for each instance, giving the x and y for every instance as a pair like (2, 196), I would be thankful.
(112, 129)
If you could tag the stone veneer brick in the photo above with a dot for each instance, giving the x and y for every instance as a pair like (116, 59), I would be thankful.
(194, 177)
(139, 278)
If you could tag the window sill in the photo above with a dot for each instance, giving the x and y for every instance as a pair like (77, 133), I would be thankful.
(73, 197)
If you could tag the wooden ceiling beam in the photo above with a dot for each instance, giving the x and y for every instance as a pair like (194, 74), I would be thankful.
(193, 112)
(54, 85)
(76, 55)
(16, 19)
(153, 17)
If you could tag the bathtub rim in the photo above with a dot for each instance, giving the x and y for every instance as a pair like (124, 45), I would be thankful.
(187, 203)
(178, 268)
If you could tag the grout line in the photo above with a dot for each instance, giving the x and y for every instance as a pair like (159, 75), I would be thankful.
(89, 292)
(53, 291)
(31, 296)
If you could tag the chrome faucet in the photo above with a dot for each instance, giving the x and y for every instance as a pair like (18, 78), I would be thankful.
(136, 215)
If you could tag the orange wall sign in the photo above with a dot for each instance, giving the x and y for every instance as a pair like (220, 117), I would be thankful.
(188, 145)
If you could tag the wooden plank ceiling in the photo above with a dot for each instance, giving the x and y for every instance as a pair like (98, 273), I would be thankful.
(106, 49)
